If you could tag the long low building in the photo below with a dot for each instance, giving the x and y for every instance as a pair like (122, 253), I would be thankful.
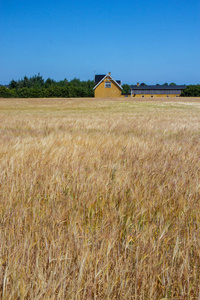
(156, 90)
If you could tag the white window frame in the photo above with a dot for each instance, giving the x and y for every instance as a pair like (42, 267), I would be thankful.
(107, 84)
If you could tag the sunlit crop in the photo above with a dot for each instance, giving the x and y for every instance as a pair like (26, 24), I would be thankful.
(100, 199)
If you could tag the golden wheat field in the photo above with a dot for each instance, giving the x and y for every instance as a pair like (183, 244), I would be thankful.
(100, 199)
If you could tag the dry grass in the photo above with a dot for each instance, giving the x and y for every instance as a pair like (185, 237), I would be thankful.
(99, 199)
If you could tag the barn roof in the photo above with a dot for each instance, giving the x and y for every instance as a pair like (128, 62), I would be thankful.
(158, 87)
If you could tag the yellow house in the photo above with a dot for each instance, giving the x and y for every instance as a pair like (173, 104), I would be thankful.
(107, 87)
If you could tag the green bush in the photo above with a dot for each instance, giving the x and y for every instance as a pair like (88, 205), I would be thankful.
(191, 91)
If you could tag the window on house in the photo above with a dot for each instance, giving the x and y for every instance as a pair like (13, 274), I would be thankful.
(107, 84)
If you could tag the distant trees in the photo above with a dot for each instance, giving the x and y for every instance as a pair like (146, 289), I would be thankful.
(4, 92)
(37, 87)
(191, 91)
(172, 83)
(49, 82)
(13, 84)
(36, 82)
(125, 88)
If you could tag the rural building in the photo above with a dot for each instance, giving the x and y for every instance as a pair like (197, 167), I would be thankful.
(107, 87)
(156, 90)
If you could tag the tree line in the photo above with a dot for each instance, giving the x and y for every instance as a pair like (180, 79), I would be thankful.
(191, 91)
(37, 87)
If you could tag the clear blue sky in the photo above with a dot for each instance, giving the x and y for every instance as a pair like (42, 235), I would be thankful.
(145, 41)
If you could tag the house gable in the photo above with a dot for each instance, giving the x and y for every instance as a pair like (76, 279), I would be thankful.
(106, 77)
(107, 87)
